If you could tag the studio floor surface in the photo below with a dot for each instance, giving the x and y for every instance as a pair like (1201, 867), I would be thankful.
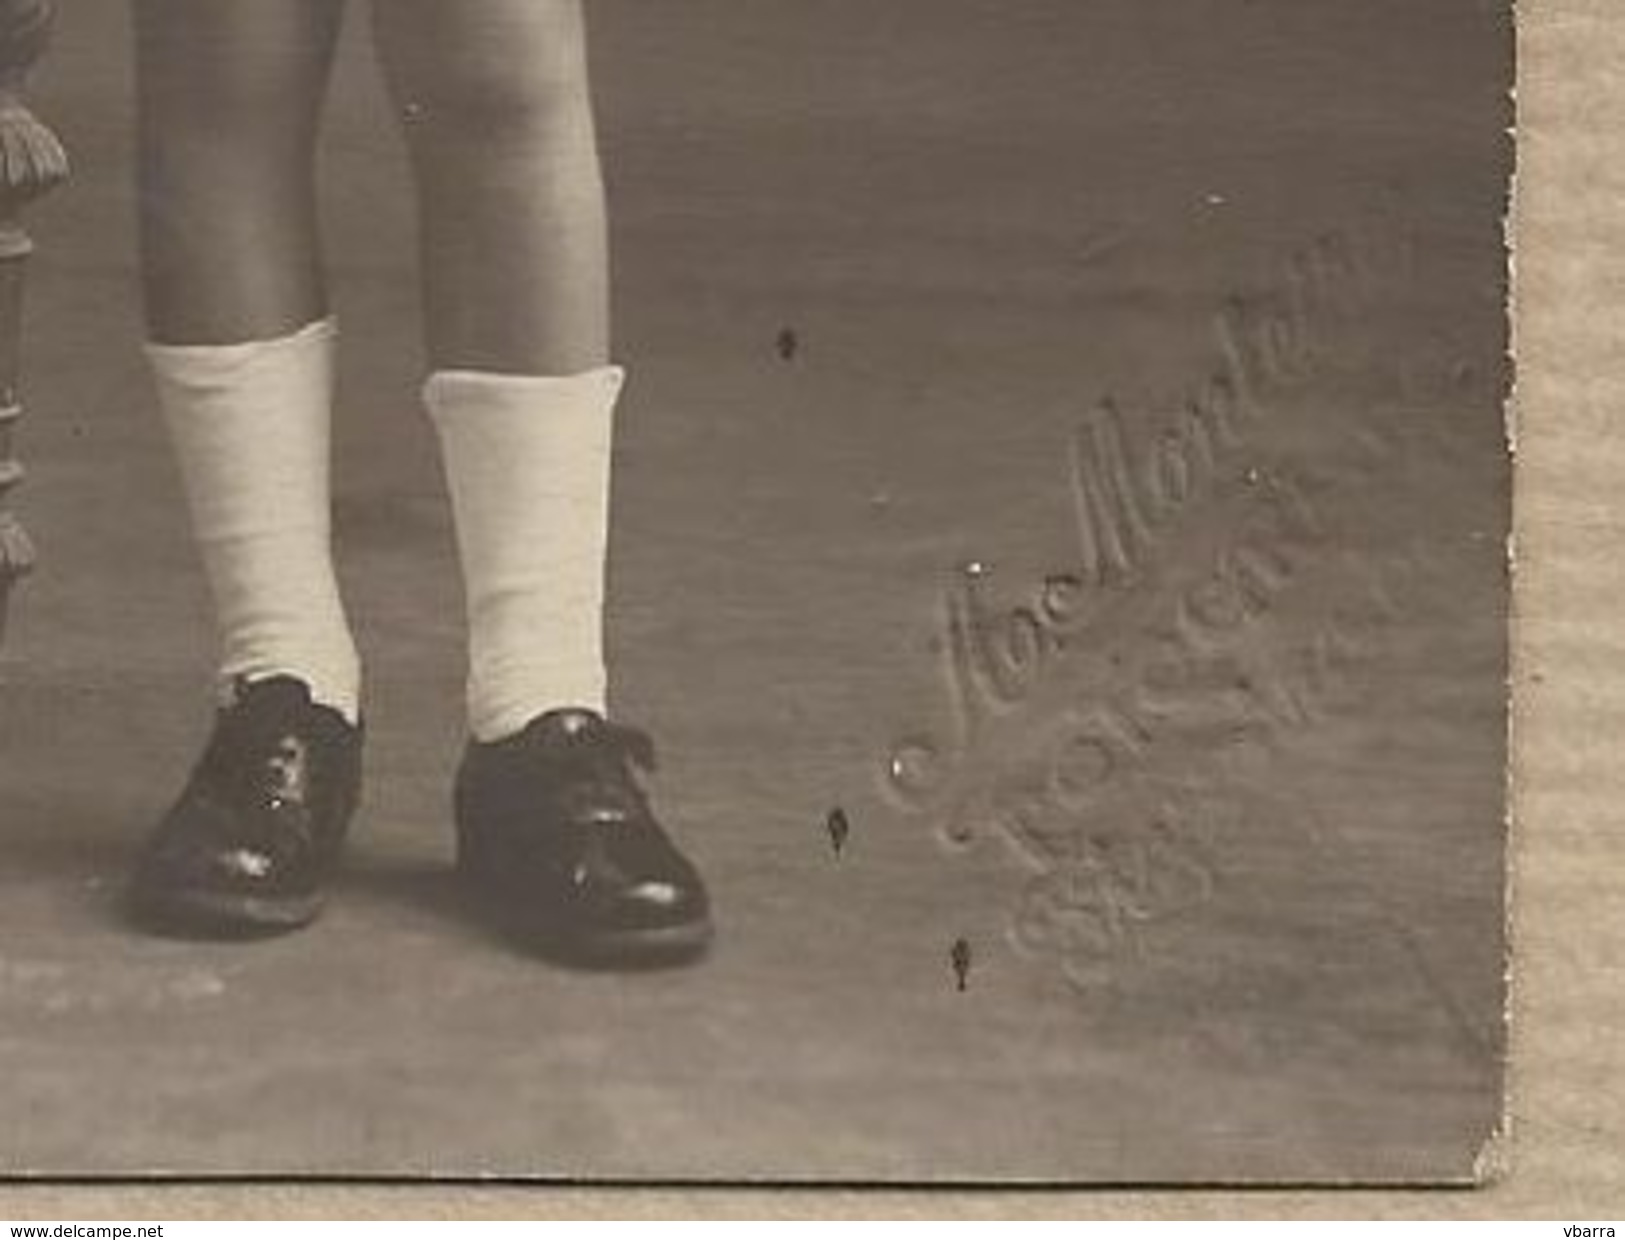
(922, 303)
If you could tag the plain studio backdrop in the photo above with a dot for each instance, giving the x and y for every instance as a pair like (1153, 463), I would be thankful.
(1226, 869)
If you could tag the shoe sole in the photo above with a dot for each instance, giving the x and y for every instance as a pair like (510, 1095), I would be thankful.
(646, 951)
(646, 947)
(655, 948)
(212, 915)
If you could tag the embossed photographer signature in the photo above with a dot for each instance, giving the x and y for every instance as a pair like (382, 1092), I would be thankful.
(1035, 771)
(1126, 507)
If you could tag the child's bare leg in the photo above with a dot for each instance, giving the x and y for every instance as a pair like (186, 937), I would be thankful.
(242, 354)
(228, 97)
(494, 101)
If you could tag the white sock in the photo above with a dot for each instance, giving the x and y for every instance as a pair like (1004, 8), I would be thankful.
(250, 424)
(527, 462)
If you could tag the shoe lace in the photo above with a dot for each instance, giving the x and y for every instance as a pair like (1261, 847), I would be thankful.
(605, 759)
(634, 745)
(259, 753)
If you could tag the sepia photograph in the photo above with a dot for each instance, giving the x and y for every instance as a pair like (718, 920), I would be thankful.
(781, 592)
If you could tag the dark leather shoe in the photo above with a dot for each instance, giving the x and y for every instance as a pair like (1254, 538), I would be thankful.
(557, 841)
(247, 846)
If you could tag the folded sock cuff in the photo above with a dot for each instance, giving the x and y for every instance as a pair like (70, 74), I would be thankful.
(472, 386)
(229, 355)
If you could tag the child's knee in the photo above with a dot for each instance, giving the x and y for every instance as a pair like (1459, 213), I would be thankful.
(495, 98)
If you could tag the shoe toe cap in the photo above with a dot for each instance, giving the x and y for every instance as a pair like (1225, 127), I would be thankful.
(659, 902)
(657, 894)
